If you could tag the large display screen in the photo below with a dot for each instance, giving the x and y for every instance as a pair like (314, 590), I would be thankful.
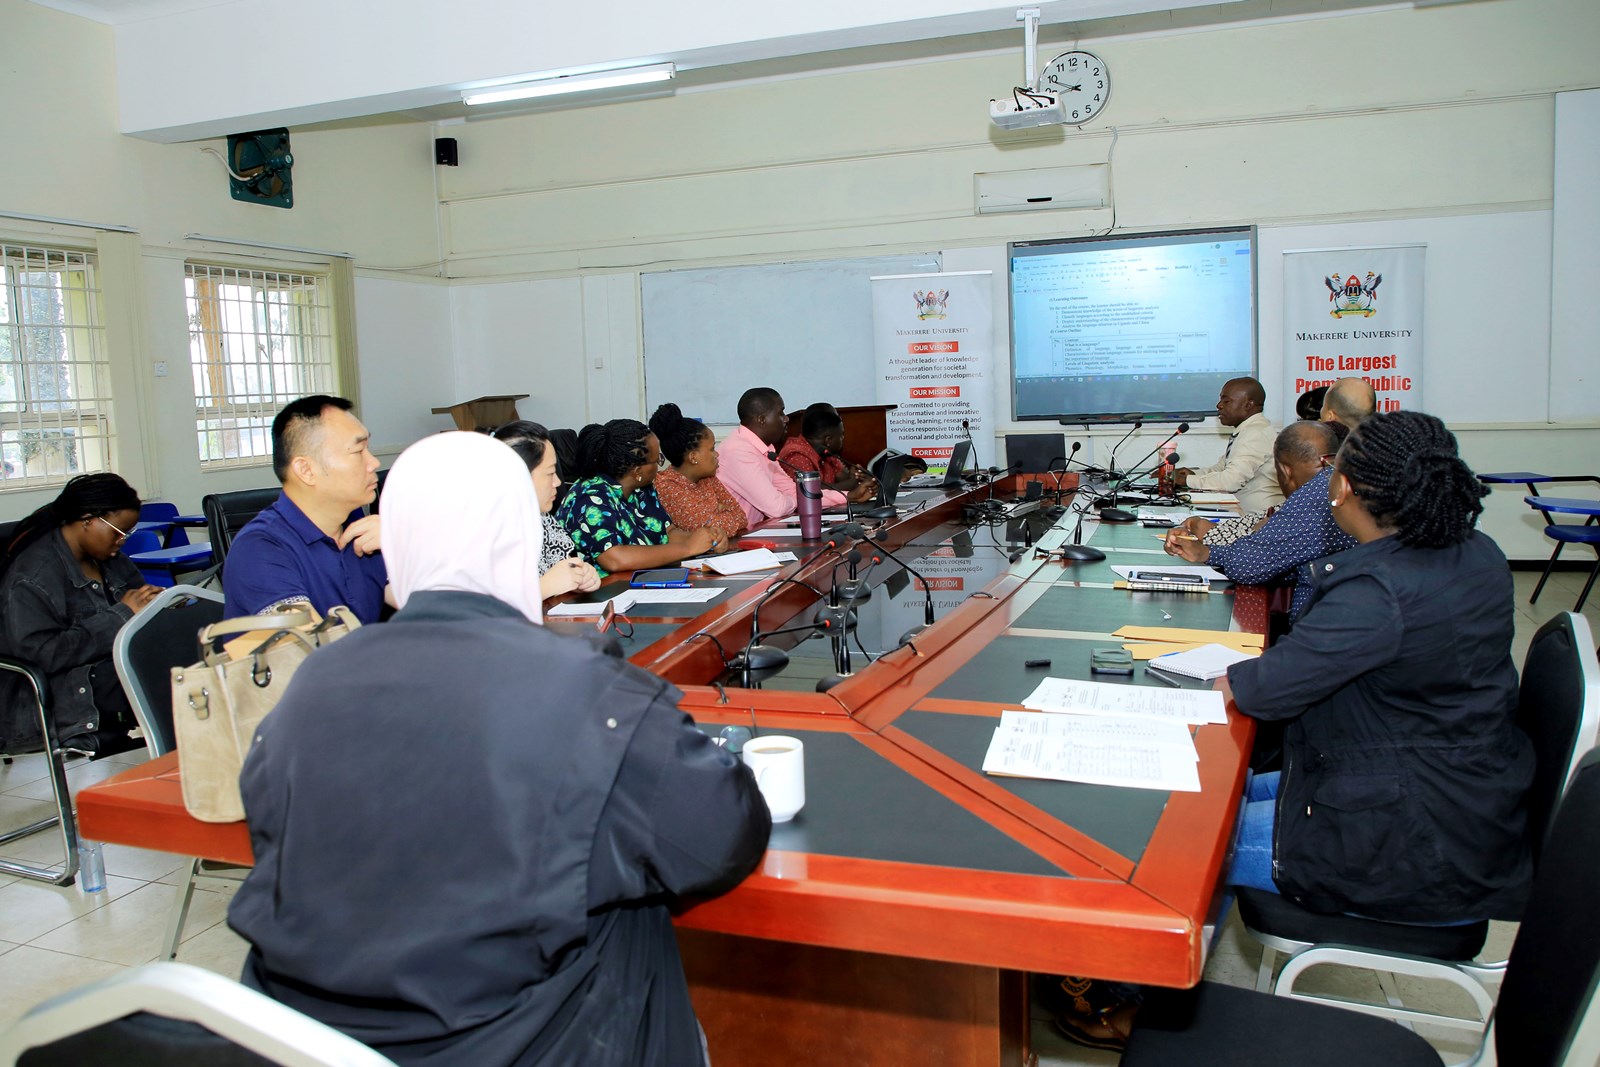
(1142, 326)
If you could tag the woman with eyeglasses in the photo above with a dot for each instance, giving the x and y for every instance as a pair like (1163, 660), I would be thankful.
(612, 511)
(65, 591)
(1401, 794)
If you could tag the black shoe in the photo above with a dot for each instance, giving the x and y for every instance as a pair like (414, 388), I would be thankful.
(109, 741)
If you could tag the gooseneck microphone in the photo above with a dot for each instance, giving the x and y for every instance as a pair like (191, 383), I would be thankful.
(966, 428)
(1138, 423)
(1183, 428)
(855, 530)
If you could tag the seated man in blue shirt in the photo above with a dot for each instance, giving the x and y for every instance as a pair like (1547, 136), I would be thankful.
(1298, 532)
(313, 545)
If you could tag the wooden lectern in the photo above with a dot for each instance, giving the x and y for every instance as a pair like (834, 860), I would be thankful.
(484, 411)
(866, 429)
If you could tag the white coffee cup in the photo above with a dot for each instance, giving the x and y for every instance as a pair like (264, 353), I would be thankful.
(779, 764)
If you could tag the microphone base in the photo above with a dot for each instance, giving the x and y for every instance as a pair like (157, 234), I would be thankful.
(841, 619)
(911, 635)
(885, 512)
(827, 682)
(855, 589)
(760, 658)
(1080, 553)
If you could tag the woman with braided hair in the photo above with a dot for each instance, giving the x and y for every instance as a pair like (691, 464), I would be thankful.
(66, 591)
(1401, 794)
(689, 488)
(613, 513)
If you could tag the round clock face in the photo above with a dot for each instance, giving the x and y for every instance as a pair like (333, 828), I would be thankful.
(1081, 80)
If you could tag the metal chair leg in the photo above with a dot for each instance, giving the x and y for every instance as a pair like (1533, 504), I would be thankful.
(180, 911)
(64, 818)
(1545, 577)
(1589, 584)
(1269, 957)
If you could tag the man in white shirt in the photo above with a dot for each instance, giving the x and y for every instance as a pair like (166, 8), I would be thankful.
(1246, 467)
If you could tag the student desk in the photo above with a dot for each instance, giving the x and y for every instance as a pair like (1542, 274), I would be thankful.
(896, 918)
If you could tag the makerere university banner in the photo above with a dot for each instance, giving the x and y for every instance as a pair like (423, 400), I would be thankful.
(933, 336)
(1354, 313)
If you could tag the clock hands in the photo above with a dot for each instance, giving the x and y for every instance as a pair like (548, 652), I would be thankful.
(1066, 88)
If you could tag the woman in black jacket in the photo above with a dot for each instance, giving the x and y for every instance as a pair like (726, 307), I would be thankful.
(1401, 794)
(66, 591)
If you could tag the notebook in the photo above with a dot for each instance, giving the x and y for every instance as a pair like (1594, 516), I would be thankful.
(1205, 663)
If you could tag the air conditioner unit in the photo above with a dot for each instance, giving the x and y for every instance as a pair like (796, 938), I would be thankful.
(1085, 187)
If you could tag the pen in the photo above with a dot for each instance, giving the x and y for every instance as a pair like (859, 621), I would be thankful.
(1183, 536)
(1036, 663)
(1161, 676)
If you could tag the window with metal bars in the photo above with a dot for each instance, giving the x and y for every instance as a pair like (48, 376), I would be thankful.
(257, 340)
(55, 376)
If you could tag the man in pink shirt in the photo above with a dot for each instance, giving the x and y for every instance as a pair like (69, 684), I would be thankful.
(747, 460)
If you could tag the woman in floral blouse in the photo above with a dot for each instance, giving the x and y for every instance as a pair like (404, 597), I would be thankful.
(613, 513)
(689, 489)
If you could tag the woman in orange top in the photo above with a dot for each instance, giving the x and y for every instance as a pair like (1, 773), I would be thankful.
(689, 489)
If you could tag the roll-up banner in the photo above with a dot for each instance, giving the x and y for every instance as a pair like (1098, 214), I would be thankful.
(933, 336)
(1354, 313)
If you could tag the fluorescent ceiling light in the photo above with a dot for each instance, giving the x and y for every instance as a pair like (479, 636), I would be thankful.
(574, 83)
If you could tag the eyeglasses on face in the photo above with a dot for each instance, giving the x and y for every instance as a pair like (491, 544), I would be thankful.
(122, 535)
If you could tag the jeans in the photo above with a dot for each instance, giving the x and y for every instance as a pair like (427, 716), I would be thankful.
(1252, 850)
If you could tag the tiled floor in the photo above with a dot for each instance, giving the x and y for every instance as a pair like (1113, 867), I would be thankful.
(53, 939)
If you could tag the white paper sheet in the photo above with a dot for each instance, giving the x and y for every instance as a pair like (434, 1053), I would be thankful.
(751, 559)
(692, 595)
(630, 597)
(1138, 754)
(1069, 695)
(1213, 498)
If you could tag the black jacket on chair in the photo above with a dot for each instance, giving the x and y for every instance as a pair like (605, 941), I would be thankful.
(1404, 773)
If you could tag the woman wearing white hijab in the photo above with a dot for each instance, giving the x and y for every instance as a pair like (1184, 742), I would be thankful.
(468, 829)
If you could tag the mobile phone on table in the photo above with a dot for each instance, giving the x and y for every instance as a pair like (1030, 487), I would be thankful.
(1110, 661)
(661, 578)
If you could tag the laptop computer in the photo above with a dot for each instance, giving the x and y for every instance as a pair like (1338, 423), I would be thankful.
(951, 478)
(890, 473)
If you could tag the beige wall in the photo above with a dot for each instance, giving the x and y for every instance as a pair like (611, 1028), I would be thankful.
(367, 190)
(1438, 121)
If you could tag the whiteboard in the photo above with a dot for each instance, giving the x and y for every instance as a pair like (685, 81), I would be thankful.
(804, 329)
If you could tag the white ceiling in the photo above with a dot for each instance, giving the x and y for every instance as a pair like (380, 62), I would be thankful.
(266, 63)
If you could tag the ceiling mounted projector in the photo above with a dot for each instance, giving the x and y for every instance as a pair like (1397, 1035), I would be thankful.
(1027, 106)
(1025, 110)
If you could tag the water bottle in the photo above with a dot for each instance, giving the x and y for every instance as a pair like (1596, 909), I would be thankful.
(808, 503)
(91, 866)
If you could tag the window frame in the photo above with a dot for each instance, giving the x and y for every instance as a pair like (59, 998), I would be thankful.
(85, 352)
(240, 397)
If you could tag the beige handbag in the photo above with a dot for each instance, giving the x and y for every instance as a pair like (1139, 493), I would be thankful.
(218, 702)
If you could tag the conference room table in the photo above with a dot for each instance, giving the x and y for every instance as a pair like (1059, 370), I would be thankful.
(897, 917)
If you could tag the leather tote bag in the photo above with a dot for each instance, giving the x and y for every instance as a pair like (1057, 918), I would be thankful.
(218, 703)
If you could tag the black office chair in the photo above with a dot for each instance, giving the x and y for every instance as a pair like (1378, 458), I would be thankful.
(1559, 710)
(1547, 1015)
(163, 636)
(175, 1015)
(226, 514)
